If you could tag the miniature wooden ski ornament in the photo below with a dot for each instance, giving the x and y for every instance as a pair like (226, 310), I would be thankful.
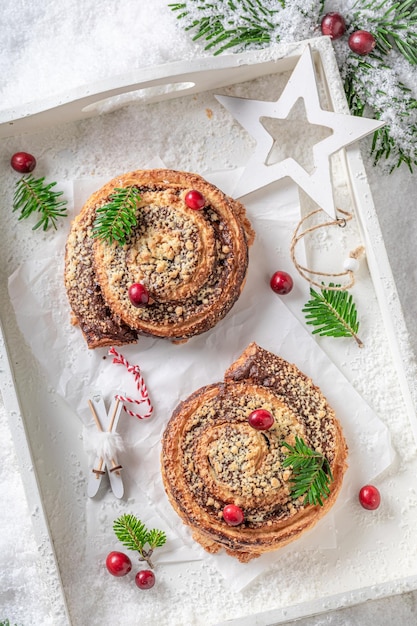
(108, 444)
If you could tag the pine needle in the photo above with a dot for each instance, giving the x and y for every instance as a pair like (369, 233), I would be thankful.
(116, 219)
(395, 29)
(255, 30)
(333, 312)
(135, 536)
(33, 195)
(253, 24)
(311, 472)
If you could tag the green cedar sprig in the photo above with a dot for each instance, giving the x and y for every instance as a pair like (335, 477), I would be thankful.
(311, 472)
(34, 195)
(333, 312)
(135, 536)
(116, 219)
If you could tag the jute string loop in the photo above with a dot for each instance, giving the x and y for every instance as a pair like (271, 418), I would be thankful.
(308, 273)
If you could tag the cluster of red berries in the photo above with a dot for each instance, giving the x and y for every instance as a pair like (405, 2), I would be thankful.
(118, 564)
(360, 41)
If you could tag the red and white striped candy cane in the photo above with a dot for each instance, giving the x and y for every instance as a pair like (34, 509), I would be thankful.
(140, 383)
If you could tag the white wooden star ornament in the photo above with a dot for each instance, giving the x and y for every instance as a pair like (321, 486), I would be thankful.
(345, 130)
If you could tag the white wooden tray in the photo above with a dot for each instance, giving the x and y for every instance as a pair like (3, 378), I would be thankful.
(173, 115)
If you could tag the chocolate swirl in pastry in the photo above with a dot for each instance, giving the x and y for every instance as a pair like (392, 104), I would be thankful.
(212, 457)
(193, 263)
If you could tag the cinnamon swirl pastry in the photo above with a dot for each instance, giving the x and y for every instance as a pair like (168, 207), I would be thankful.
(187, 251)
(212, 457)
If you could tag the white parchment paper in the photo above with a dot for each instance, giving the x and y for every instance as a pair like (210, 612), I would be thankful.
(172, 372)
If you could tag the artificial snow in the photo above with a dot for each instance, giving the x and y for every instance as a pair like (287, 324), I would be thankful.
(47, 49)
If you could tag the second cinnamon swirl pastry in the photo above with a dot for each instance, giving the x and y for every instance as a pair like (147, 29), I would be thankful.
(226, 471)
(187, 251)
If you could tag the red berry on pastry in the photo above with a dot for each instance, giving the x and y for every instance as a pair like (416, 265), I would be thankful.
(333, 24)
(361, 42)
(23, 162)
(138, 295)
(233, 515)
(118, 564)
(369, 497)
(145, 579)
(281, 283)
(195, 200)
(261, 419)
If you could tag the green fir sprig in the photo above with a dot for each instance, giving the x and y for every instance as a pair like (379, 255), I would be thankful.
(115, 220)
(374, 84)
(393, 29)
(255, 27)
(135, 536)
(33, 195)
(333, 312)
(311, 472)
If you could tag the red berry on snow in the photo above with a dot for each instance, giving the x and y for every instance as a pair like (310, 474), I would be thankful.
(138, 295)
(334, 25)
(369, 497)
(261, 419)
(145, 579)
(195, 200)
(23, 162)
(281, 283)
(361, 42)
(118, 563)
(233, 515)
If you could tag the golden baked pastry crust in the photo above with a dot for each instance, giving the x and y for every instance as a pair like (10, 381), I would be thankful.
(193, 263)
(99, 327)
(212, 457)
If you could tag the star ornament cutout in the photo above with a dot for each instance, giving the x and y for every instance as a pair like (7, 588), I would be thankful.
(345, 130)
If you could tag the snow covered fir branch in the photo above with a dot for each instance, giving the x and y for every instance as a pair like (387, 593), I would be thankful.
(380, 83)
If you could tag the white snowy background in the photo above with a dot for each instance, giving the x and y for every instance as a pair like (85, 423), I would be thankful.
(48, 47)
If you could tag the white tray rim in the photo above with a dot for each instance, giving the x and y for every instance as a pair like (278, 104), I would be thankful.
(31, 484)
(35, 117)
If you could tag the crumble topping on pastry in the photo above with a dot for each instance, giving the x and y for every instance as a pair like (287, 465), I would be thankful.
(212, 456)
(193, 263)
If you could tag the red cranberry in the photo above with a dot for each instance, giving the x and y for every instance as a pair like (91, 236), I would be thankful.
(361, 42)
(145, 579)
(261, 419)
(195, 200)
(118, 564)
(233, 515)
(281, 283)
(369, 497)
(23, 162)
(138, 295)
(334, 25)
